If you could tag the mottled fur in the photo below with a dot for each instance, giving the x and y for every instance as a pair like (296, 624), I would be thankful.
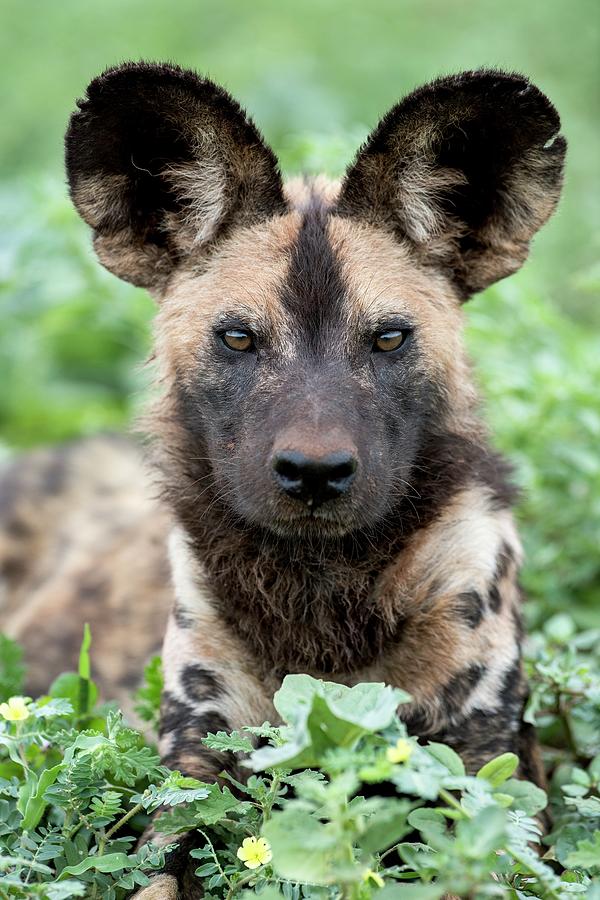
(410, 576)
(82, 539)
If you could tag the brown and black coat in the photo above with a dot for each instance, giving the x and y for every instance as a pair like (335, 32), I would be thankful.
(333, 503)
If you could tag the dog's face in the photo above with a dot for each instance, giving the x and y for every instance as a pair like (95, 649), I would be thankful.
(310, 358)
(309, 337)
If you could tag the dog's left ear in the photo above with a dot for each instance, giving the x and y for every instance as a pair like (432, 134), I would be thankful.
(467, 169)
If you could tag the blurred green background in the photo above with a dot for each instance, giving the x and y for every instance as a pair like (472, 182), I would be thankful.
(316, 76)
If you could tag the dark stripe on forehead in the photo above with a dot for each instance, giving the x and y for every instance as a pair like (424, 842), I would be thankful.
(314, 293)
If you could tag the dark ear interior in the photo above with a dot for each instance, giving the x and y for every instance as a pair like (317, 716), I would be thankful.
(467, 169)
(160, 164)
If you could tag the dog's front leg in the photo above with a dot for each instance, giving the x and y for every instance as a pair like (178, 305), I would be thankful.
(460, 659)
(209, 686)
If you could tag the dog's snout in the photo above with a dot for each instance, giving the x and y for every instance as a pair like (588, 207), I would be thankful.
(314, 479)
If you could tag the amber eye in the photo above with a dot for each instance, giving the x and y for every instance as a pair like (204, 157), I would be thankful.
(236, 339)
(389, 340)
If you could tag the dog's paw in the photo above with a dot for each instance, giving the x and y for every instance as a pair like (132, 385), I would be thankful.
(161, 887)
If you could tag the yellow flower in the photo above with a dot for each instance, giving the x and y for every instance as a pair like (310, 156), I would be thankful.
(374, 877)
(254, 852)
(400, 752)
(15, 710)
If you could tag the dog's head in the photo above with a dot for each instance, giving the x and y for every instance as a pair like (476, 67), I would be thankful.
(309, 335)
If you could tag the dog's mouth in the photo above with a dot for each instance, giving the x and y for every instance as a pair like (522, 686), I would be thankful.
(314, 522)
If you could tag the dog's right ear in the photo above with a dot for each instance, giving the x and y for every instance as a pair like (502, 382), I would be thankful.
(161, 163)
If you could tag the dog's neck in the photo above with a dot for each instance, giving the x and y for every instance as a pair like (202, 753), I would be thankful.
(315, 606)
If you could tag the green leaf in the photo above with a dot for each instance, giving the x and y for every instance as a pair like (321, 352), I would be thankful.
(371, 706)
(217, 804)
(147, 697)
(447, 757)
(84, 653)
(526, 796)
(430, 822)
(35, 805)
(498, 770)
(306, 849)
(65, 889)
(386, 826)
(68, 685)
(586, 806)
(12, 669)
(105, 808)
(484, 833)
(233, 742)
(325, 715)
(587, 854)
(568, 838)
(110, 862)
(49, 707)
(176, 789)
(400, 891)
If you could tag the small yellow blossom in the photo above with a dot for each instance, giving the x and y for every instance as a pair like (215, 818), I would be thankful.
(374, 877)
(254, 852)
(400, 752)
(15, 710)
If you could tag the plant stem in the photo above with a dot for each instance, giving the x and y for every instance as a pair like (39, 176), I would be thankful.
(216, 859)
(122, 821)
(563, 712)
(271, 797)
(234, 887)
(452, 801)
(387, 852)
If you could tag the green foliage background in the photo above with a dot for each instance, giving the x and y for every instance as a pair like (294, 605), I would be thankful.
(316, 76)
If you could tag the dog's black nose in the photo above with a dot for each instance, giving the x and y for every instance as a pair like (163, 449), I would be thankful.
(314, 479)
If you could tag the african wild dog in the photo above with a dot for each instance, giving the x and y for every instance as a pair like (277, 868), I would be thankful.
(337, 507)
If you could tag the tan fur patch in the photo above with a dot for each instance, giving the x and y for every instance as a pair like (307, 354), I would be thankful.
(244, 278)
(385, 279)
(457, 553)
(209, 641)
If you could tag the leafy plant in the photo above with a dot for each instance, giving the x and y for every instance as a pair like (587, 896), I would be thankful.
(339, 801)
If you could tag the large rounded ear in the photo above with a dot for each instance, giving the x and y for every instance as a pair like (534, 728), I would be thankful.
(467, 169)
(160, 164)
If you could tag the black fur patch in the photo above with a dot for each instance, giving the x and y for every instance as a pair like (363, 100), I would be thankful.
(182, 618)
(200, 684)
(137, 122)
(458, 690)
(187, 729)
(93, 589)
(176, 716)
(502, 565)
(495, 598)
(469, 606)
(518, 622)
(485, 733)
(315, 293)
(498, 135)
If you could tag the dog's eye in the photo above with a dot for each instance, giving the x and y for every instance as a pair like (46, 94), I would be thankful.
(388, 341)
(237, 339)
